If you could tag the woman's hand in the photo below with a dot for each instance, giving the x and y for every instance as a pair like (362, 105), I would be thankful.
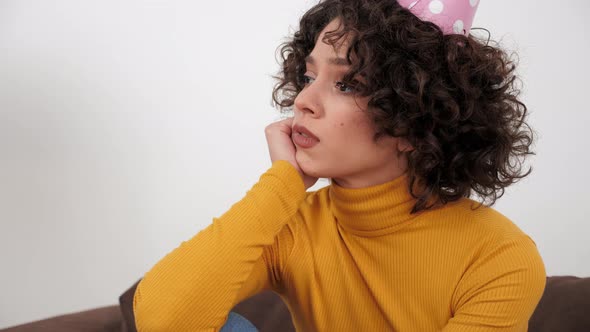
(281, 147)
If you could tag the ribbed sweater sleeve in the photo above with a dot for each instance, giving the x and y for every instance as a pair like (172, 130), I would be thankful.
(194, 287)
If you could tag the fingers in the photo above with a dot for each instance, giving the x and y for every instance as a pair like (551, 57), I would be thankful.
(283, 126)
(280, 145)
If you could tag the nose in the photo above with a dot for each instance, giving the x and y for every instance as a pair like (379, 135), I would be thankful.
(308, 102)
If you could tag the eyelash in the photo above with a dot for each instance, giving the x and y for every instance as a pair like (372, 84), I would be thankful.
(305, 78)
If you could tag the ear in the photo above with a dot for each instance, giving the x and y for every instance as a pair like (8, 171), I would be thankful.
(403, 145)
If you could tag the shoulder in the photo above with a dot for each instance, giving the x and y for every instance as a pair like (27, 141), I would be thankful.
(503, 265)
(467, 217)
(492, 242)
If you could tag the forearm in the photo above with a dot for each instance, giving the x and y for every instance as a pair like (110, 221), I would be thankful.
(195, 286)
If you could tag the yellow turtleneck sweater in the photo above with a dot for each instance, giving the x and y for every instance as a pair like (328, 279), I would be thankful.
(348, 260)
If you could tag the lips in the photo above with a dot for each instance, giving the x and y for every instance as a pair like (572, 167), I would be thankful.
(303, 138)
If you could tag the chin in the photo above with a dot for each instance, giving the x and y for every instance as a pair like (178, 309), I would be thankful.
(312, 171)
(319, 171)
(309, 166)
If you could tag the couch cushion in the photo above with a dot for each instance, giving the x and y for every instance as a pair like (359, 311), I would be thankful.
(565, 306)
(126, 303)
(105, 319)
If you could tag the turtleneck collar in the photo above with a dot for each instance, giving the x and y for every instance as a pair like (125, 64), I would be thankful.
(375, 210)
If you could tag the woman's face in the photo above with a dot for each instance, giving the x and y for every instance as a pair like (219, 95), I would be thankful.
(345, 149)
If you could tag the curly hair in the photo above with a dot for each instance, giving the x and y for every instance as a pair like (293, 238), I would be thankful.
(454, 98)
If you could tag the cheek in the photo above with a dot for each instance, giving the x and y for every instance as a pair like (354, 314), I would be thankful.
(357, 136)
(356, 130)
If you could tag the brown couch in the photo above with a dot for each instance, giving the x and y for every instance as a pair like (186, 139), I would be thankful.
(564, 307)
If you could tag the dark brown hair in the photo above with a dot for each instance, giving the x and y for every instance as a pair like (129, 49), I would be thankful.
(454, 98)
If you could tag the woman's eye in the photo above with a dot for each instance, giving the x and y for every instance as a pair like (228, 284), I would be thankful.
(343, 87)
(305, 79)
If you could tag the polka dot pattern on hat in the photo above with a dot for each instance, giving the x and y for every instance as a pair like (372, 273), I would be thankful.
(452, 16)
(436, 6)
(458, 26)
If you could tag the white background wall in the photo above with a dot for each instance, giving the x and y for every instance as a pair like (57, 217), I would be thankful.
(125, 126)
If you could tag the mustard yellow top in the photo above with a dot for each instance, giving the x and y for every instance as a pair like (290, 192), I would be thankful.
(348, 260)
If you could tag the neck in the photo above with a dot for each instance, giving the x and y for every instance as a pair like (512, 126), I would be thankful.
(371, 177)
(375, 210)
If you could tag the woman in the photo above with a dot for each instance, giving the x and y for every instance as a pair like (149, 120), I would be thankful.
(408, 115)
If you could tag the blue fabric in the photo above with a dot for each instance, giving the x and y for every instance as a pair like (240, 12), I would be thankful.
(237, 323)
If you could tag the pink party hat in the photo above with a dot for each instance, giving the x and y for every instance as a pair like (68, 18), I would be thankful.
(452, 16)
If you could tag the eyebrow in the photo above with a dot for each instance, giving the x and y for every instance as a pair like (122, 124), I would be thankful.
(333, 61)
